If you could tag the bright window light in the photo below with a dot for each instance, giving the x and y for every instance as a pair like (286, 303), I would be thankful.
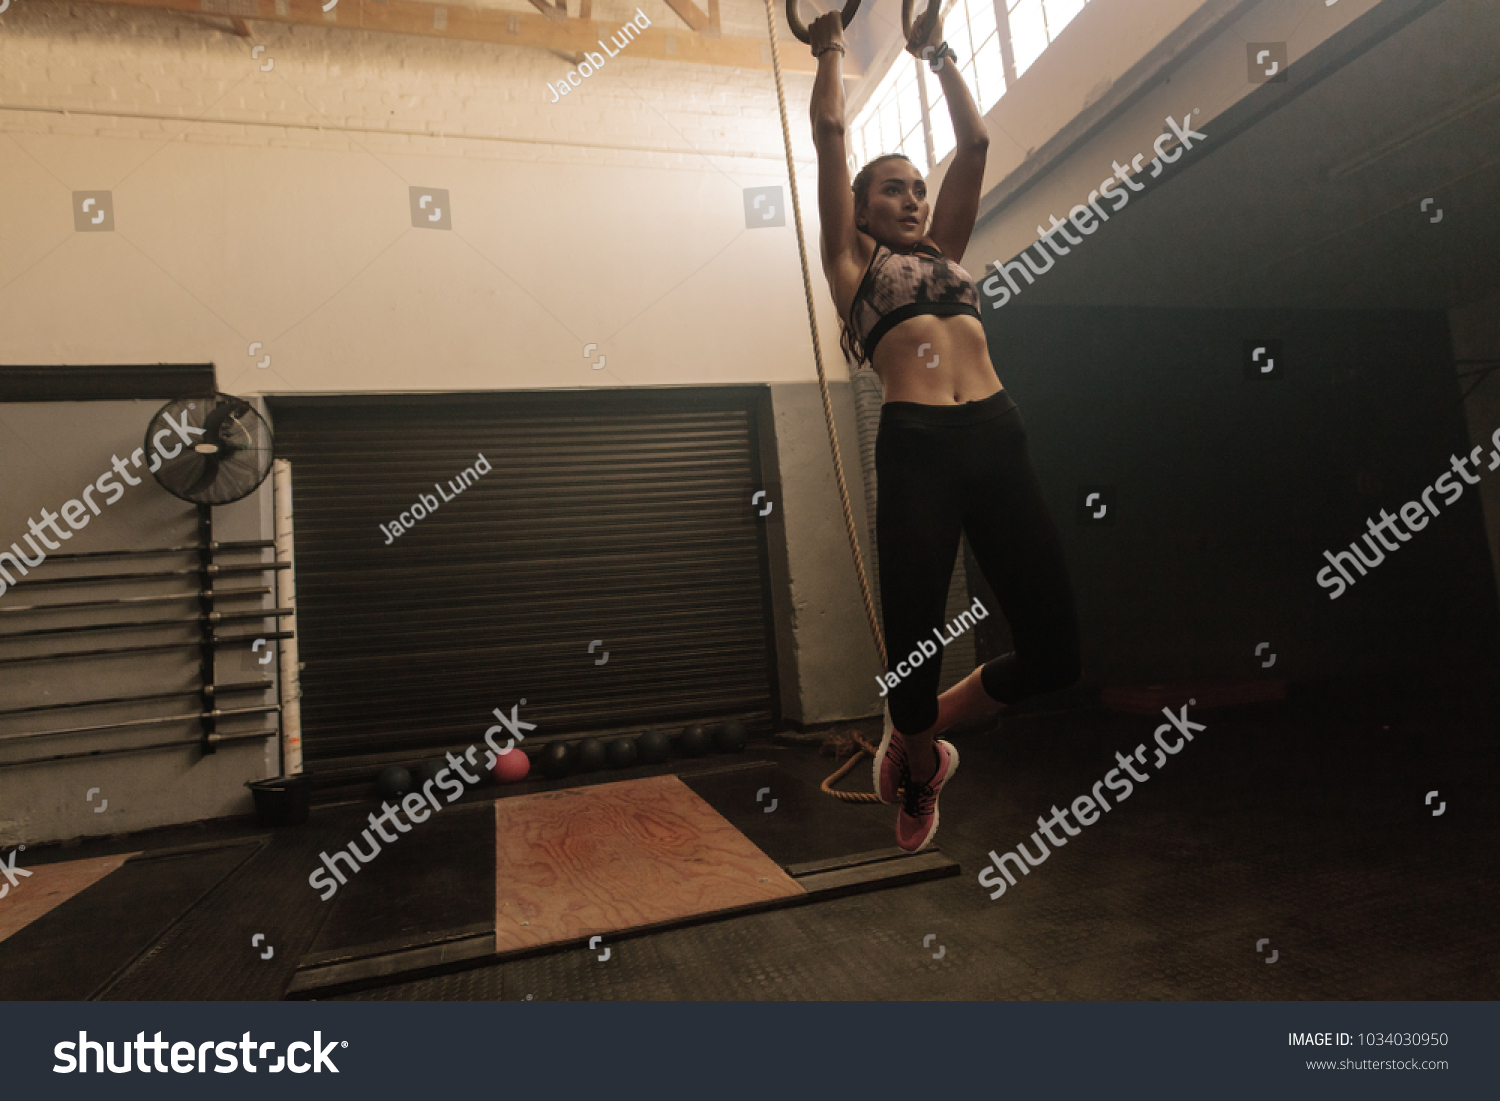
(891, 121)
(1060, 13)
(1028, 32)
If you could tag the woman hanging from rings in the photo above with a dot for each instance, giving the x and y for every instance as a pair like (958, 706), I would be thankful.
(951, 452)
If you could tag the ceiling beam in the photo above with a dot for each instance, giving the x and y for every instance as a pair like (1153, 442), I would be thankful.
(558, 13)
(554, 32)
(689, 13)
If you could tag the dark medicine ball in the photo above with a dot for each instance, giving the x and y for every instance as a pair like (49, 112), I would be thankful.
(731, 737)
(427, 770)
(557, 759)
(393, 782)
(693, 741)
(588, 755)
(622, 753)
(655, 747)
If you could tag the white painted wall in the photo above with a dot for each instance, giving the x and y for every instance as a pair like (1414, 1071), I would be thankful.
(613, 217)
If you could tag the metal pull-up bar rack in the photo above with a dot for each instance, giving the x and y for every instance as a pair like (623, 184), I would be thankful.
(204, 619)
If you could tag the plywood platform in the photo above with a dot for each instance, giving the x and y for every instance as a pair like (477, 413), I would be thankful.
(614, 859)
(90, 921)
(617, 857)
(49, 886)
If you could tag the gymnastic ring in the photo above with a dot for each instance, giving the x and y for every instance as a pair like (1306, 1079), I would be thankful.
(929, 18)
(800, 29)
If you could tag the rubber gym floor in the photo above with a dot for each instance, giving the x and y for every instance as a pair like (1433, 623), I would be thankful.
(1296, 830)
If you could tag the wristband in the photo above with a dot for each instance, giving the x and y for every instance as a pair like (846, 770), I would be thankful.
(935, 63)
(839, 46)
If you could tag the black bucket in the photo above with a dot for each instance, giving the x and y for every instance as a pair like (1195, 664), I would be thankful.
(281, 800)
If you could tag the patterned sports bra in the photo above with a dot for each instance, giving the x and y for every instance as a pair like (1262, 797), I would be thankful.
(900, 285)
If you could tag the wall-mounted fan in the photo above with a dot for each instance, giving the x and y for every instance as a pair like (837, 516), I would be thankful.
(230, 454)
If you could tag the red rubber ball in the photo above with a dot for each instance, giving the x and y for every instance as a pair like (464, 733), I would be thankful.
(512, 767)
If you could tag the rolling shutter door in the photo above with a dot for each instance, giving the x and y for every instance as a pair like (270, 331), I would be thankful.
(604, 516)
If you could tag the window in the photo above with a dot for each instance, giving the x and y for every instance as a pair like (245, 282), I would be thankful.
(1034, 24)
(892, 121)
(969, 27)
(982, 32)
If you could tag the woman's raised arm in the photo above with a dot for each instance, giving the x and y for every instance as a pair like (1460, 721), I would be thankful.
(957, 205)
(835, 199)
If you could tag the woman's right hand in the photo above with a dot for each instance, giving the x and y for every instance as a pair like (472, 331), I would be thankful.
(934, 37)
(826, 30)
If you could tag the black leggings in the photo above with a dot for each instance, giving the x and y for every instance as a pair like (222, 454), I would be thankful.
(942, 468)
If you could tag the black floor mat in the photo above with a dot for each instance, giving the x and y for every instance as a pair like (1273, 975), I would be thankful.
(439, 880)
(214, 954)
(792, 822)
(73, 951)
(440, 876)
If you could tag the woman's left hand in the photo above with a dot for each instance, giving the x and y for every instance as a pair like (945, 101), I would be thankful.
(917, 43)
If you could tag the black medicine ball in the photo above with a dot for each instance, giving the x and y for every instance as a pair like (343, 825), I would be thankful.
(655, 747)
(557, 759)
(622, 753)
(393, 782)
(732, 737)
(693, 741)
(425, 771)
(588, 755)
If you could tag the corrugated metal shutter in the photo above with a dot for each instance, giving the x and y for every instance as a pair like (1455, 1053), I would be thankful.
(619, 517)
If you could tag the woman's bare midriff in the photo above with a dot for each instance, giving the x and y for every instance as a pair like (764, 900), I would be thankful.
(934, 360)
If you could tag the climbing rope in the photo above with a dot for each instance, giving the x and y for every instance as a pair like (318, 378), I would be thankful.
(846, 741)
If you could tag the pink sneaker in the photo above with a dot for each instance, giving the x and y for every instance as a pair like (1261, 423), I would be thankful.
(890, 764)
(917, 820)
